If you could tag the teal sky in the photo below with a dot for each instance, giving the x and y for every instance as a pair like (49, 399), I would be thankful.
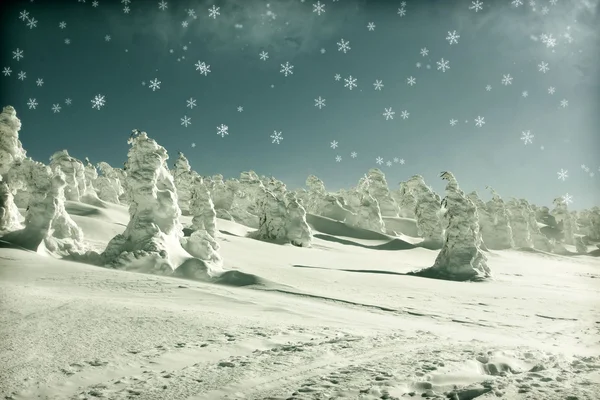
(148, 43)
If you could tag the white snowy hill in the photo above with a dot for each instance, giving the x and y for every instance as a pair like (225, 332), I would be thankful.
(338, 320)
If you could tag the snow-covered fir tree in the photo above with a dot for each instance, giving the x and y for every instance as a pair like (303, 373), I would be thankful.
(108, 183)
(184, 177)
(406, 200)
(539, 240)
(378, 188)
(519, 223)
(500, 236)
(427, 210)
(564, 220)
(74, 172)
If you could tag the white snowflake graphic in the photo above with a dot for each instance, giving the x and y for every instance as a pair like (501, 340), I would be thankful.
(126, 9)
(379, 160)
(525, 93)
(23, 15)
(287, 69)
(154, 85)
(488, 87)
(353, 154)
(32, 104)
(418, 64)
(527, 137)
(371, 26)
(191, 13)
(62, 24)
(545, 10)
(479, 121)
(334, 144)
(186, 121)
(404, 114)
(98, 101)
(202, 67)
(68, 101)
(551, 90)
(338, 158)
(193, 145)
(452, 37)
(443, 65)
(378, 84)
(567, 198)
(477, 5)
(184, 24)
(163, 5)
(343, 46)
(263, 55)
(319, 8)
(517, 3)
(107, 38)
(213, 12)
(39, 82)
(7, 71)
(95, 3)
(543, 67)
(402, 161)
(507, 80)
(337, 77)
(18, 54)
(32, 23)
(320, 102)
(56, 108)
(222, 130)
(240, 109)
(401, 12)
(276, 136)
(388, 163)
(453, 122)
(388, 114)
(67, 41)
(411, 81)
(564, 103)
(350, 82)
(424, 51)
(563, 174)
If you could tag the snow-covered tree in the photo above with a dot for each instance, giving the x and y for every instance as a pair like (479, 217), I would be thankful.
(564, 220)
(542, 214)
(74, 172)
(593, 228)
(222, 195)
(379, 189)
(580, 245)
(90, 174)
(363, 209)
(406, 200)
(486, 223)
(12, 155)
(519, 223)
(427, 210)
(316, 194)
(184, 178)
(108, 184)
(461, 257)
(501, 236)
(9, 213)
(272, 217)
(539, 240)
(202, 208)
(297, 230)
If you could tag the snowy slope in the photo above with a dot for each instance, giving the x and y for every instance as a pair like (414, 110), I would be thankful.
(338, 320)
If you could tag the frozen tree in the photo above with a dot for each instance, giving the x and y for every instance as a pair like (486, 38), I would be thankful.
(202, 208)
(272, 217)
(297, 230)
(74, 172)
(222, 196)
(9, 213)
(184, 178)
(580, 245)
(461, 258)
(500, 236)
(151, 241)
(542, 214)
(593, 231)
(379, 189)
(486, 223)
(243, 209)
(564, 220)
(427, 210)
(108, 184)
(519, 223)
(540, 241)
(277, 187)
(90, 174)
(406, 200)
(316, 194)
(12, 155)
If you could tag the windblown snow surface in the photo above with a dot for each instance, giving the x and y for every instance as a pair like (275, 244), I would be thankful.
(335, 321)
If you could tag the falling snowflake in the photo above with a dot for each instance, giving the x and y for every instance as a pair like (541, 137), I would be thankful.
(193, 145)
(563, 174)
(343, 46)
(213, 12)
(334, 144)
(67, 41)
(401, 12)
(378, 84)
(479, 121)
(443, 65)
(287, 69)
(56, 108)
(7, 71)
(191, 13)
(396, 159)
(222, 130)
(263, 55)
(23, 15)
(452, 37)
(549, 40)
(184, 24)
(62, 24)
(319, 8)
(18, 54)
(388, 163)
(402, 161)
(39, 82)
(320, 102)
(567, 198)
(68, 101)
(98, 102)
(186, 121)
(551, 90)
(379, 160)
(564, 103)
(453, 122)
(154, 85)
(517, 3)
(388, 114)
(163, 5)
(240, 109)
(353, 154)
(338, 158)
(545, 10)
(32, 23)
(543, 67)
(525, 93)
(424, 51)
(488, 87)
(350, 82)
(202, 67)
(553, 2)
(126, 10)
(276, 136)
(507, 80)
(404, 114)
(371, 26)
(107, 38)
(527, 137)
(337, 77)
(411, 81)
(95, 3)
(32, 103)
(477, 5)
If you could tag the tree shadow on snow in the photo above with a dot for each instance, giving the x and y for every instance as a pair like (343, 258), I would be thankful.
(360, 271)
(394, 244)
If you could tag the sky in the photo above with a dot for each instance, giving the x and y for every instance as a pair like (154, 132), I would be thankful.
(157, 65)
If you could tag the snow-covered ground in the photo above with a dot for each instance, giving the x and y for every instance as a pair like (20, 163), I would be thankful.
(339, 320)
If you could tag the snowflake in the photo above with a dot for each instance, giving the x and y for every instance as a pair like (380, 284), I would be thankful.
(443, 65)
(39, 82)
(126, 2)
(525, 93)
(186, 121)
(584, 167)
(479, 121)
(527, 137)
(67, 41)
(507, 80)
(98, 102)
(403, 4)
(320, 102)
(163, 5)
(453, 122)
(7, 71)
(379, 160)
(32, 23)
(545, 10)
(264, 55)
(184, 24)
(564, 103)
(107, 38)
(389, 163)
(404, 114)
(371, 26)
(396, 159)
(68, 101)
(213, 12)
(240, 109)
(517, 3)
(319, 8)
(343, 46)
(388, 114)
(287, 69)
(334, 144)
(353, 154)
(411, 81)
(563, 174)
(553, 2)
(32, 103)
(155, 84)
(62, 25)
(222, 130)
(56, 108)
(202, 67)
(402, 161)
(477, 5)
(193, 145)
(452, 37)
(18, 54)
(567, 198)
(378, 84)
(401, 12)
(424, 51)
(95, 3)
(551, 90)
(22, 75)
(568, 37)
(488, 87)
(337, 77)
(191, 13)
(350, 82)
(23, 15)
(543, 67)
(126, 9)
(548, 40)
(418, 64)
